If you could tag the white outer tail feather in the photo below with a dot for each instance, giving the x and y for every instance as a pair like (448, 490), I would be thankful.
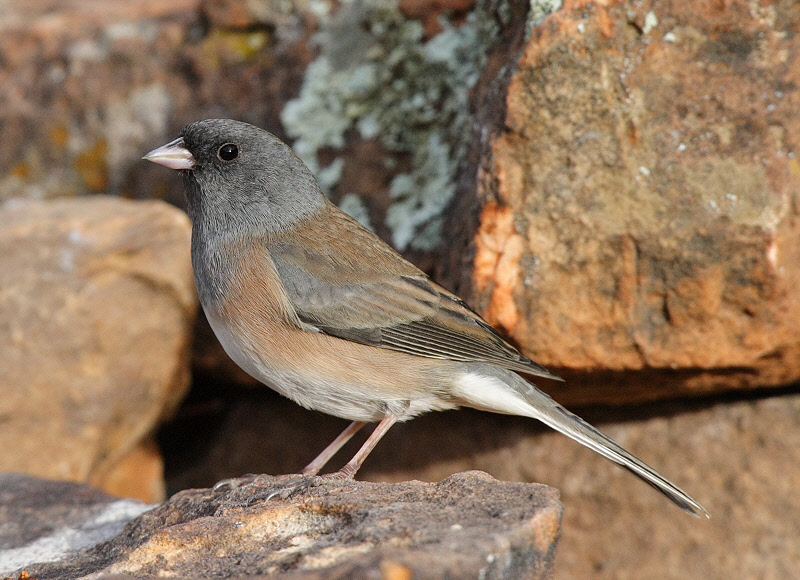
(503, 391)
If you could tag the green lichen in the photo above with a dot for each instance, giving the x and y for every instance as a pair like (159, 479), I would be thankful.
(376, 73)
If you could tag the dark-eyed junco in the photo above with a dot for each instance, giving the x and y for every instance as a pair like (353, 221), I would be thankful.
(317, 307)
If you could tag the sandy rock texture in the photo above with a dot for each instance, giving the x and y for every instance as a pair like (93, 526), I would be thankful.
(637, 199)
(466, 526)
(738, 458)
(89, 87)
(97, 302)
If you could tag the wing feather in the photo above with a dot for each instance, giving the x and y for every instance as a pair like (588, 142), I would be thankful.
(381, 300)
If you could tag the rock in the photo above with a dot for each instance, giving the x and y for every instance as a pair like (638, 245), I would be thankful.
(44, 521)
(637, 199)
(467, 525)
(252, 14)
(97, 300)
(740, 459)
(89, 88)
(139, 473)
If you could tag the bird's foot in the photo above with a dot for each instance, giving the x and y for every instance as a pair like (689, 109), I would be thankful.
(295, 485)
(252, 488)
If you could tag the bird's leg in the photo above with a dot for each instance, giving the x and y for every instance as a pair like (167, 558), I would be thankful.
(287, 489)
(326, 455)
(349, 470)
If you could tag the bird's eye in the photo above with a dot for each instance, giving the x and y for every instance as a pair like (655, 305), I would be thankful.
(228, 152)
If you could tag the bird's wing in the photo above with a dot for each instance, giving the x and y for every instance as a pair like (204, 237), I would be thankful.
(375, 297)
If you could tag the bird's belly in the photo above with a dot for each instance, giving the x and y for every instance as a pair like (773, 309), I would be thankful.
(335, 376)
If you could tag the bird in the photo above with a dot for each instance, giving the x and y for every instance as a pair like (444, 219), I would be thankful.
(317, 307)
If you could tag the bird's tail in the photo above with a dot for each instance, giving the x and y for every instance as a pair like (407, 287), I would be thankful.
(498, 390)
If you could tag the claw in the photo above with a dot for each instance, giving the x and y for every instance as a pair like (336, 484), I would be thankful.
(235, 482)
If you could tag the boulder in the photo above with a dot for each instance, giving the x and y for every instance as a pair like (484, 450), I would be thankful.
(635, 203)
(97, 301)
(466, 526)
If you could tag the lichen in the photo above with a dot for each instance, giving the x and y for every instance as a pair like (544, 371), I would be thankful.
(376, 73)
(540, 9)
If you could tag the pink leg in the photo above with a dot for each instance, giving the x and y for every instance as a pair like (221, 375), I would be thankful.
(323, 458)
(349, 470)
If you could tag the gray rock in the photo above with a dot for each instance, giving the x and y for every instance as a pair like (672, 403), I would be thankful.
(45, 521)
(466, 526)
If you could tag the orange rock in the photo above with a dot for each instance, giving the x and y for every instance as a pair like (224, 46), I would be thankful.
(431, 12)
(644, 199)
(97, 302)
(139, 474)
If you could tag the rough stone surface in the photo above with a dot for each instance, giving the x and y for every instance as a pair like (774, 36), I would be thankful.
(466, 526)
(740, 459)
(97, 302)
(43, 521)
(89, 87)
(638, 200)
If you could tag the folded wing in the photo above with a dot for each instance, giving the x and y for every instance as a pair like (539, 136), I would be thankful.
(379, 299)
